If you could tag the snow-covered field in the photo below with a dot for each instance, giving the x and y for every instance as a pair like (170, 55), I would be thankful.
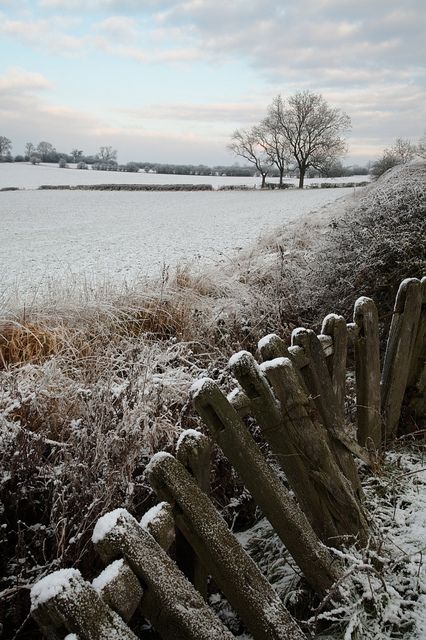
(27, 176)
(48, 236)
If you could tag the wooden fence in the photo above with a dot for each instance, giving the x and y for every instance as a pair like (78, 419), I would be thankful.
(297, 397)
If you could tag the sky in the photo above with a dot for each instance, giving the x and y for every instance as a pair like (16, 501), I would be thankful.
(167, 81)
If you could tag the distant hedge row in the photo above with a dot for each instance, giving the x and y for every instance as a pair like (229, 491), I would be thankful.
(132, 187)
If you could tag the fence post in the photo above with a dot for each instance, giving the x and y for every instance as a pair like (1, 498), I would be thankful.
(332, 488)
(159, 522)
(63, 600)
(318, 382)
(238, 577)
(417, 374)
(120, 588)
(172, 605)
(273, 421)
(367, 374)
(193, 450)
(399, 351)
(335, 327)
(286, 517)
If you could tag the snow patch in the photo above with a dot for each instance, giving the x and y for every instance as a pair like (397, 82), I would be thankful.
(106, 523)
(199, 385)
(152, 514)
(276, 363)
(235, 359)
(156, 458)
(108, 575)
(188, 433)
(263, 342)
(52, 585)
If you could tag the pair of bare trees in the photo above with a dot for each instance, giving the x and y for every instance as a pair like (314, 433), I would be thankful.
(301, 132)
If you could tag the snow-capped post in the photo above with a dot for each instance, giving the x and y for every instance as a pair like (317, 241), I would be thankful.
(399, 351)
(193, 450)
(367, 374)
(64, 601)
(318, 382)
(159, 522)
(120, 588)
(268, 491)
(417, 374)
(272, 346)
(238, 577)
(170, 602)
(334, 326)
(340, 516)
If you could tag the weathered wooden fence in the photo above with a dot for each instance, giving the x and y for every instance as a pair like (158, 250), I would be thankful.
(297, 397)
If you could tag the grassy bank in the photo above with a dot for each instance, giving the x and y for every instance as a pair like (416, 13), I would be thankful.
(91, 389)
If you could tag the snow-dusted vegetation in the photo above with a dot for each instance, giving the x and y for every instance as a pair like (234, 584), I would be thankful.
(92, 385)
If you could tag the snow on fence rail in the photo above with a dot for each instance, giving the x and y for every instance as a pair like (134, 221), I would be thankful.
(297, 397)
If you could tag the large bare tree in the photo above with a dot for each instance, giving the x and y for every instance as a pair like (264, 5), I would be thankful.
(272, 138)
(313, 130)
(246, 143)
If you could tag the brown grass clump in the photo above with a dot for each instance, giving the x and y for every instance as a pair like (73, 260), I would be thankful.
(27, 342)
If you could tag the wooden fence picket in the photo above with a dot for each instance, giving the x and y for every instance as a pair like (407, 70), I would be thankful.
(367, 374)
(399, 351)
(288, 520)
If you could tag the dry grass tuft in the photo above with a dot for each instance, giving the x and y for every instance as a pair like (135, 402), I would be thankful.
(27, 342)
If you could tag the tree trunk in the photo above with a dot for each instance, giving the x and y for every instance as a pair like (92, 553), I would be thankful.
(302, 171)
(263, 180)
(281, 177)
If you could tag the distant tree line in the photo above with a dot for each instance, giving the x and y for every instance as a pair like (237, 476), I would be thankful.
(265, 147)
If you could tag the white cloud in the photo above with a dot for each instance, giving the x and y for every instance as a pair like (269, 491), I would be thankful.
(17, 80)
(46, 33)
(120, 28)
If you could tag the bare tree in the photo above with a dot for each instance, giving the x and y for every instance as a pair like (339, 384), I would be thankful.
(45, 149)
(5, 146)
(246, 144)
(77, 155)
(401, 152)
(404, 150)
(107, 154)
(313, 131)
(29, 150)
(272, 138)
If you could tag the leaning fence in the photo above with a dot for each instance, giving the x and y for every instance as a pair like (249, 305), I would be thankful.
(297, 397)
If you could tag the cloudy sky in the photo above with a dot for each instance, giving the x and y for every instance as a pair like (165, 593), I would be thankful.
(162, 80)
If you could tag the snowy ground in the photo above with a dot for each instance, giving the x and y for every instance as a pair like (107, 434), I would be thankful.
(27, 176)
(91, 237)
